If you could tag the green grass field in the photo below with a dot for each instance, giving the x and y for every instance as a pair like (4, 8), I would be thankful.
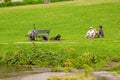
(71, 19)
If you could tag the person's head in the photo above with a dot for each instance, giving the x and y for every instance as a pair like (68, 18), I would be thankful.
(91, 28)
(100, 27)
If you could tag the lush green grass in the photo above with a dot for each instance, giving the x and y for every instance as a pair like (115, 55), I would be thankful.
(72, 21)
(107, 48)
(8, 3)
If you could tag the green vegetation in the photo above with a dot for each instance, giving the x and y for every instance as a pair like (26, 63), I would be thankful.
(8, 3)
(70, 19)
(71, 55)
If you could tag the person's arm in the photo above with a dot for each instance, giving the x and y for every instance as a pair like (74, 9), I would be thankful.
(93, 33)
(87, 34)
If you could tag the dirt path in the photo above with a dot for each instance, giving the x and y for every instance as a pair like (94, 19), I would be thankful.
(40, 76)
(104, 75)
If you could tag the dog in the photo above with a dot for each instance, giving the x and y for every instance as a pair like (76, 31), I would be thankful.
(56, 38)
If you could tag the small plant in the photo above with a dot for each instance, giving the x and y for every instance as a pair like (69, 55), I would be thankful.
(88, 69)
(73, 76)
(54, 78)
(69, 63)
(62, 69)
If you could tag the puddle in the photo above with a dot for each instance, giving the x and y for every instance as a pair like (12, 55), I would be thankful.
(10, 71)
(104, 75)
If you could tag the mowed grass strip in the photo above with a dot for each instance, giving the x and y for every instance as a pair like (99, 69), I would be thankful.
(100, 48)
(70, 19)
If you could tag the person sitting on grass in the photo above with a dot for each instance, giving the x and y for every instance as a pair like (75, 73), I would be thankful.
(31, 35)
(90, 33)
(100, 32)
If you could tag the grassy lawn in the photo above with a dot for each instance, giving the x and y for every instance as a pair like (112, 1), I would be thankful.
(71, 19)
(100, 47)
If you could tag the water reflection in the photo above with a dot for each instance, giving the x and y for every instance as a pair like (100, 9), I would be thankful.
(9, 71)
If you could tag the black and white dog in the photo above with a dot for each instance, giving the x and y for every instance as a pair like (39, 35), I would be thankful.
(56, 38)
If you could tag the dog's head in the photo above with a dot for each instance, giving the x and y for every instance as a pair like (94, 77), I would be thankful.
(58, 36)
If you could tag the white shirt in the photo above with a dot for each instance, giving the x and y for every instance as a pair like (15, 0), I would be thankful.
(91, 33)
